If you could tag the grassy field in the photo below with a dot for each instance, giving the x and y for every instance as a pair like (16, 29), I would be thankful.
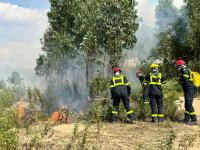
(107, 136)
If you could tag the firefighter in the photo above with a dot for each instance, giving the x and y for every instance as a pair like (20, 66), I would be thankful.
(186, 81)
(156, 79)
(120, 89)
(145, 93)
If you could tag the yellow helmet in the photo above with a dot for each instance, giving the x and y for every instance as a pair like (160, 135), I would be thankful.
(154, 66)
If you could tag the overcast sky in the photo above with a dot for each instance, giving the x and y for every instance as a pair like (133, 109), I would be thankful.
(23, 22)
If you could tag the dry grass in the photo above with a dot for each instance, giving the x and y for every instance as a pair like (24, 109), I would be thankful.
(119, 136)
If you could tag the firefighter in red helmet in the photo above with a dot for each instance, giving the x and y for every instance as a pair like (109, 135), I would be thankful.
(186, 81)
(120, 89)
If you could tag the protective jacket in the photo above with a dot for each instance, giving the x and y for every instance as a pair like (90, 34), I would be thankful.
(185, 78)
(188, 87)
(120, 90)
(155, 82)
(118, 84)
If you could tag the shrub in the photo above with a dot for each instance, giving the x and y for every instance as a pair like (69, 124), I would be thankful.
(100, 110)
(8, 136)
(171, 94)
(6, 98)
(99, 86)
(8, 120)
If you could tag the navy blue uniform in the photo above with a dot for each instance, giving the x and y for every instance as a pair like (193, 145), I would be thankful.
(156, 95)
(145, 88)
(120, 89)
(188, 87)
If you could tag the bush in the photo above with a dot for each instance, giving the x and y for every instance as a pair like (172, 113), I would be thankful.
(8, 120)
(99, 86)
(8, 137)
(171, 94)
(100, 110)
(6, 98)
(137, 105)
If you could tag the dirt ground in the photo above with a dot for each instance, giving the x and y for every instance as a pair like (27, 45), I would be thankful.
(196, 104)
(118, 136)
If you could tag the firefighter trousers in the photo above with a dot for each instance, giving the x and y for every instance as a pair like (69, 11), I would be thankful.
(189, 109)
(121, 95)
(156, 103)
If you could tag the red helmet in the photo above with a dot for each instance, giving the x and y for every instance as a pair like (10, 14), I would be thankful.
(180, 62)
(116, 69)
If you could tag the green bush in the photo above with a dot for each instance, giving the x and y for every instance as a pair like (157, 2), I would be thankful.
(99, 87)
(8, 137)
(8, 120)
(100, 110)
(6, 98)
(171, 94)
(137, 102)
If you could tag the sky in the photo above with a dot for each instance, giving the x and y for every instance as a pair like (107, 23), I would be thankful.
(23, 22)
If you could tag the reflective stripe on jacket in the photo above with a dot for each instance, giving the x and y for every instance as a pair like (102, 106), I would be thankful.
(155, 79)
(117, 81)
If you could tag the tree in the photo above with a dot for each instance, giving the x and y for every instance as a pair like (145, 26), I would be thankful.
(17, 85)
(117, 27)
(193, 13)
(80, 32)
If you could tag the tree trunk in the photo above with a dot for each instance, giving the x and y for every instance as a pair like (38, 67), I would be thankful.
(87, 70)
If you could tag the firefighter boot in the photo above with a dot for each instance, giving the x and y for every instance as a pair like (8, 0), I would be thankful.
(187, 118)
(113, 119)
(154, 120)
(160, 120)
(193, 120)
(132, 118)
(142, 115)
(192, 123)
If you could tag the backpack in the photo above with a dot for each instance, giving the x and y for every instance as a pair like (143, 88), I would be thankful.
(196, 78)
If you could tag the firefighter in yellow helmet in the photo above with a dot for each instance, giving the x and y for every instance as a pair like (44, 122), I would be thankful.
(155, 80)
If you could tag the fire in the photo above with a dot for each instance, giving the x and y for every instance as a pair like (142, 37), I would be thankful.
(22, 109)
(62, 116)
(56, 117)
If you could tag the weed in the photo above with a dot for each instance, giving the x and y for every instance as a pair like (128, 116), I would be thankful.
(73, 138)
(167, 143)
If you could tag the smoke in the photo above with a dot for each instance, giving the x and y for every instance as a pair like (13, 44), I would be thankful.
(146, 31)
(147, 34)
(68, 88)
(149, 21)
